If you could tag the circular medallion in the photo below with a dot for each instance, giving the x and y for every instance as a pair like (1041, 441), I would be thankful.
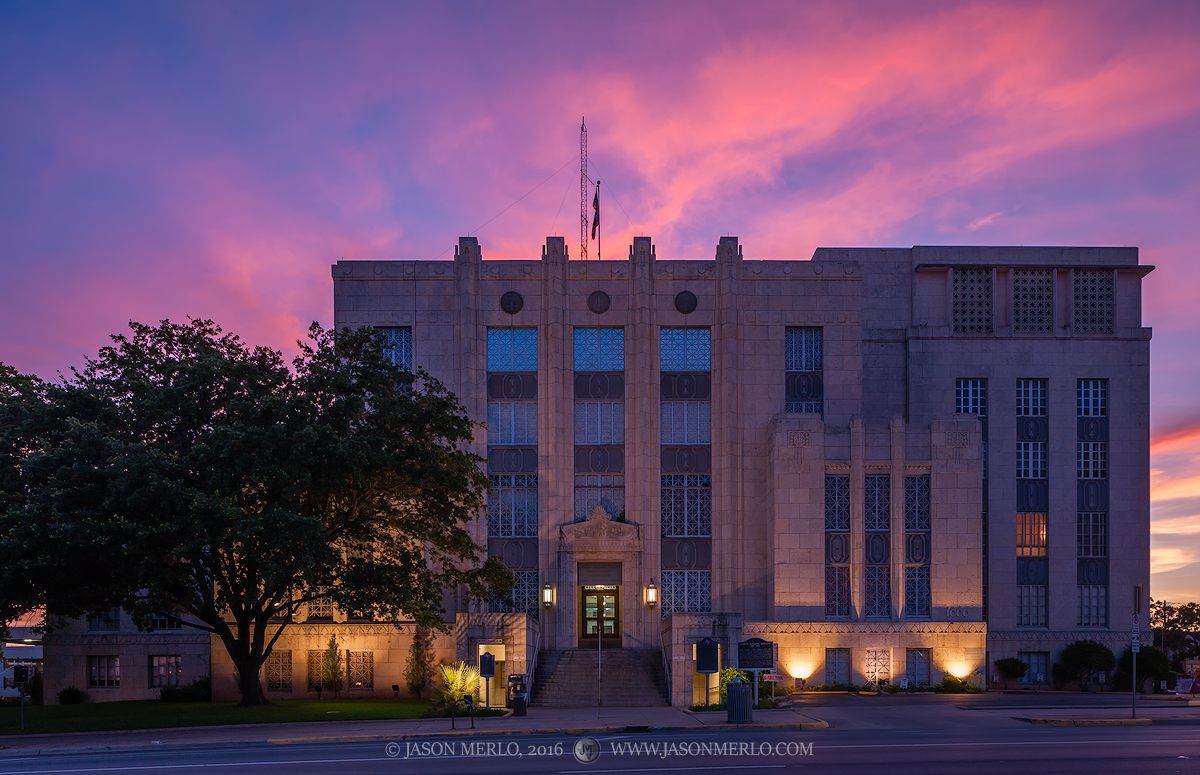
(512, 302)
(685, 302)
(599, 302)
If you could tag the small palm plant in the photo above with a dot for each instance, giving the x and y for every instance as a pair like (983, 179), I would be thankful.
(460, 680)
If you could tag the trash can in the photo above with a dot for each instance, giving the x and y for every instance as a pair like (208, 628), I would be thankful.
(520, 703)
(739, 701)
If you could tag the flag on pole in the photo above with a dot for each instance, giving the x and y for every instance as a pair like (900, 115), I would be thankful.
(596, 207)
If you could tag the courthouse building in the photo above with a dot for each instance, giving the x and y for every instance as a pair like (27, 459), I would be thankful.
(894, 463)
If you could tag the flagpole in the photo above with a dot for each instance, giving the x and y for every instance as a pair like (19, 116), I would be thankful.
(597, 219)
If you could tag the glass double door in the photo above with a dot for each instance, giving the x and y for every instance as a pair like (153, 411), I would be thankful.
(600, 616)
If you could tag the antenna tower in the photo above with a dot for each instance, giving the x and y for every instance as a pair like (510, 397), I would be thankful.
(583, 191)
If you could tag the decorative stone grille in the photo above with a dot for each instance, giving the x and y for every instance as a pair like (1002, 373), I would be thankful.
(524, 596)
(512, 349)
(684, 349)
(879, 667)
(878, 584)
(360, 669)
(316, 670)
(513, 506)
(686, 505)
(916, 667)
(599, 422)
(837, 666)
(279, 671)
(877, 504)
(837, 591)
(971, 304)
(686, 422)
(837, 502)
(916, 502)
(599, 490)
(916, 591)
(321, 608)
(397, 346)
(802, 349)
(599, 349)
(1092, 310)
(686, 591)
(1033, 300)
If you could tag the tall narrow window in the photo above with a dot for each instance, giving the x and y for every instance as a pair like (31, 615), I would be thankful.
(916, 546)
(104, 672)
(279, 671)
(804, 388)
(1031, 605)
(599, 422)
(397, 346)
(837, 547)
(523, 599)
(877, 571)
(1033, 300)
(1031, 534)
(685, 489)
(1092, 302)
(971, 305)
(512, 420)
(1091, 458)
(165, 670)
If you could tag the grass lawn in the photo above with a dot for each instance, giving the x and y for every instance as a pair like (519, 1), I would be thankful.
(152, 714)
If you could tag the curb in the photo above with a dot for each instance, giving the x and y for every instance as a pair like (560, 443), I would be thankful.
(1091, 722)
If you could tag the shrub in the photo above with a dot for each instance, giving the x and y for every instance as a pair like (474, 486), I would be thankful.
(334, 670)
(199, 690)
(416, 671)
(1011, 667)
(71, 696)
(459, 680)
(35, 688)
(1152, 663)
(1082, 659)
(727, 675)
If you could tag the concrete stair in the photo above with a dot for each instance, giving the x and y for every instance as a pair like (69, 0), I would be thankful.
(632, 678)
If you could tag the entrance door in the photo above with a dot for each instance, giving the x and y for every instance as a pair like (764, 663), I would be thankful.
(600, 616)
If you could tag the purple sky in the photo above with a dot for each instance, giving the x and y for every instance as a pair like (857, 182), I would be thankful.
(168, 159)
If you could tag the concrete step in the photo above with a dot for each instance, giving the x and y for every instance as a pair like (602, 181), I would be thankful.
(629, 678)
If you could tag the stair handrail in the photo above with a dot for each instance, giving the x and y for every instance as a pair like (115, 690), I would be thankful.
(537, 650)
(666, 662)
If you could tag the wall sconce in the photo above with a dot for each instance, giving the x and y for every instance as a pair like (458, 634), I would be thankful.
(651, 594)
(547, 596)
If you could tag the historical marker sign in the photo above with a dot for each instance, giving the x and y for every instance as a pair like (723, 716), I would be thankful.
(756, 654)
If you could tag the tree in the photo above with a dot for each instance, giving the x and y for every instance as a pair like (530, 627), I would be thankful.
(334, 671)
(416, 670)
(1152, 663)
(1084, 658)
(183, 472)
(1011, 667)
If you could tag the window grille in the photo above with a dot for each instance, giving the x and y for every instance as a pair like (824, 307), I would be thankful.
(513, 506)
(165, 670)
(837, 591)
(970, 396)
(1038, 663)
(1093, 301)
(1091, 398)
(104, 671)
(879, 667)
(1091, 459)
(599, 349)
(916, 502)
(1033, 300)
(1093, 605)
(1092, 534)
(109, 621)
(1031, 460)
(686, 422)
(599, 490)
(916, 667)
(802, 349)
(686, 505)
(837, 502)
(916, 591)
(524, 596)
(165, 622)
(512, 349)
(877, 504)
(971, 304)
(1031, 398)
(879, 591)
(1031, 605)
(512, 422)
(684, 349)
(321, 608)
(279, 671)
(804, 407)
(600, 422)
(360, 669)
(397, 346)
(316, 670)
(1031, 534)
(837, 666)
(686, 591)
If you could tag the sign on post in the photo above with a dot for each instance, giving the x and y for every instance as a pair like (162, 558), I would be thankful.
(774, 678)
(756, 654)
(707, 657)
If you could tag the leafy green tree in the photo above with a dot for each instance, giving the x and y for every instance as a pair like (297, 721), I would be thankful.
(416, 670)
(1152, 663)
(334, 668)
(1011, 668)
(183, 472)
(1082, 659)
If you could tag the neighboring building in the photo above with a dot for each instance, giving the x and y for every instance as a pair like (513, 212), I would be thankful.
(110, 659)
(21, 654)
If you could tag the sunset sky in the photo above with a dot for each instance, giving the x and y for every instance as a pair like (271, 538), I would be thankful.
(160, 160)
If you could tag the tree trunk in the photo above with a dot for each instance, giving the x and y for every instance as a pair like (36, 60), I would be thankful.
(251, 686)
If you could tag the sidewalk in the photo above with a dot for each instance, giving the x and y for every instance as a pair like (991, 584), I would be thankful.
(1147, 713)
(543, 720)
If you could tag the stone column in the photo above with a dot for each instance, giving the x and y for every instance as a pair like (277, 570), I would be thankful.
(896, 429)
(857, 539)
